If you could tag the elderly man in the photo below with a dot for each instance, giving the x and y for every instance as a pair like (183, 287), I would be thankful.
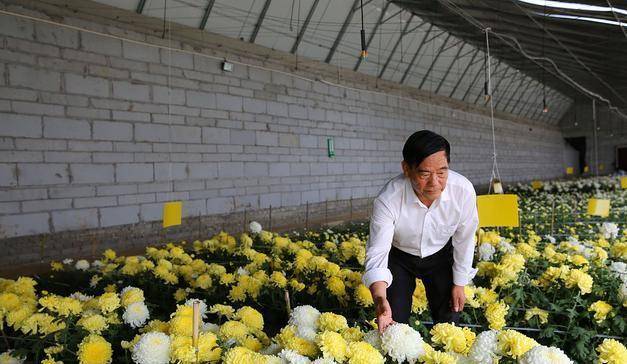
(422, 226)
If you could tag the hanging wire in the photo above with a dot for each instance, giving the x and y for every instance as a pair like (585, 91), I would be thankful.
(496, 175)
(545, 109)
(514, 43)
(169, 31)
(364, 51)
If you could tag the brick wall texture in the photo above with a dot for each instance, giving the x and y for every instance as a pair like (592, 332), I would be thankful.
(96, 132)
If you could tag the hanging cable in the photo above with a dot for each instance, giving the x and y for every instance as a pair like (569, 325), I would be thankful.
(364, 51)
(545, 109)
(496, 175)
(514, 43)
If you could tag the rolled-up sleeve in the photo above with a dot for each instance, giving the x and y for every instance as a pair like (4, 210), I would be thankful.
(378, 245)
(464, 241)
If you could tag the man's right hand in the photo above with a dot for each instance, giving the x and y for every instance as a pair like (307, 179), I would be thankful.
(384, 313)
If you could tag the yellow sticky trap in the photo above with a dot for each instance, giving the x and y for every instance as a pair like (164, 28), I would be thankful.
(498, 210)
(570, 170)
(172, 212)
(536, 185)
(598, 207)
(601, 167)
(586, 169)
(623, 182)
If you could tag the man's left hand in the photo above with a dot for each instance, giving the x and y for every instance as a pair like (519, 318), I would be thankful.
(458, 298)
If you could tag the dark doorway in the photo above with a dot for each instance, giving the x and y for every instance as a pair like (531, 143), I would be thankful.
(621, 158)
(579, 143)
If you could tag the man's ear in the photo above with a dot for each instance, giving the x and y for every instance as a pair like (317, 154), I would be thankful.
(405, 168)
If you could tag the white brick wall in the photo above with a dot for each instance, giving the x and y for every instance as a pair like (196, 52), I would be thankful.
(84, 134)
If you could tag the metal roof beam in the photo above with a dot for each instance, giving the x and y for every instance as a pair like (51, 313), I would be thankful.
(435, 59)
(398, 41)
(459, 80)
(303, 28)
(413, 59)
(450, 66)
(262, 15)
(340, 35)
(205, 15)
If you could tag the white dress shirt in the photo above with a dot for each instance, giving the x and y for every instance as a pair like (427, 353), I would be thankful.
(400, 219)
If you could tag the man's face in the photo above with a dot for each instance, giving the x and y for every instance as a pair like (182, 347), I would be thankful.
(429, 178)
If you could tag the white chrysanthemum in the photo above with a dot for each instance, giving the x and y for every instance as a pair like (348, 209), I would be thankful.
(609, 230)
(505, 246)
(82, 265)
(307, 332)
(401, 342)
(242, 272)
(254, 227)
(210, 327)
(618, 267)
(81, 297)
(486, 251)
(7, 358)
(544, 355)
(152, 348)
(550, 239)
(373, 338)
(622, 292)
(202, 307)
(68, 261)
(304, 316)
(459, 358)
(483, 350)
(272, 359)
(323, 361)
(97, 263)
(292, 357)
(136, 314)
(272, 349)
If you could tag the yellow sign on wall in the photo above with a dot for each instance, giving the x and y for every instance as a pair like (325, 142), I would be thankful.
(498, 210)
(623, 182)
(570, 170)
(172, 212)
(536, 185)
(598, 207)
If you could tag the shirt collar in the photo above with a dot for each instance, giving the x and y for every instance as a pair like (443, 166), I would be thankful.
(411, 198)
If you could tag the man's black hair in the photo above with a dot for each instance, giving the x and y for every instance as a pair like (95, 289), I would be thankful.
(422, 144)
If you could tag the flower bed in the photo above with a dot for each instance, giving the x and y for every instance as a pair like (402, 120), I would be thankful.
(552, 291)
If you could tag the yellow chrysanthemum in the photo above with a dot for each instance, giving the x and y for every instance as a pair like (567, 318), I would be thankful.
(156, 325)
(222, 310)
(64, 306)
(601, 310)
(94, 349)
(612, 352)
(363, 296)
(108, 302)
(95, 324)
(131, 295)
(419, 302)
(514, 344)
(278, 279)
(250, 317)
(581, 279)
(453, 338)
(328, 321)
(333, 346)
(437, 357)
(287, 339)
(543, 316)
(495, 314)
(233, 330)
(360, 352)
(181, 321)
